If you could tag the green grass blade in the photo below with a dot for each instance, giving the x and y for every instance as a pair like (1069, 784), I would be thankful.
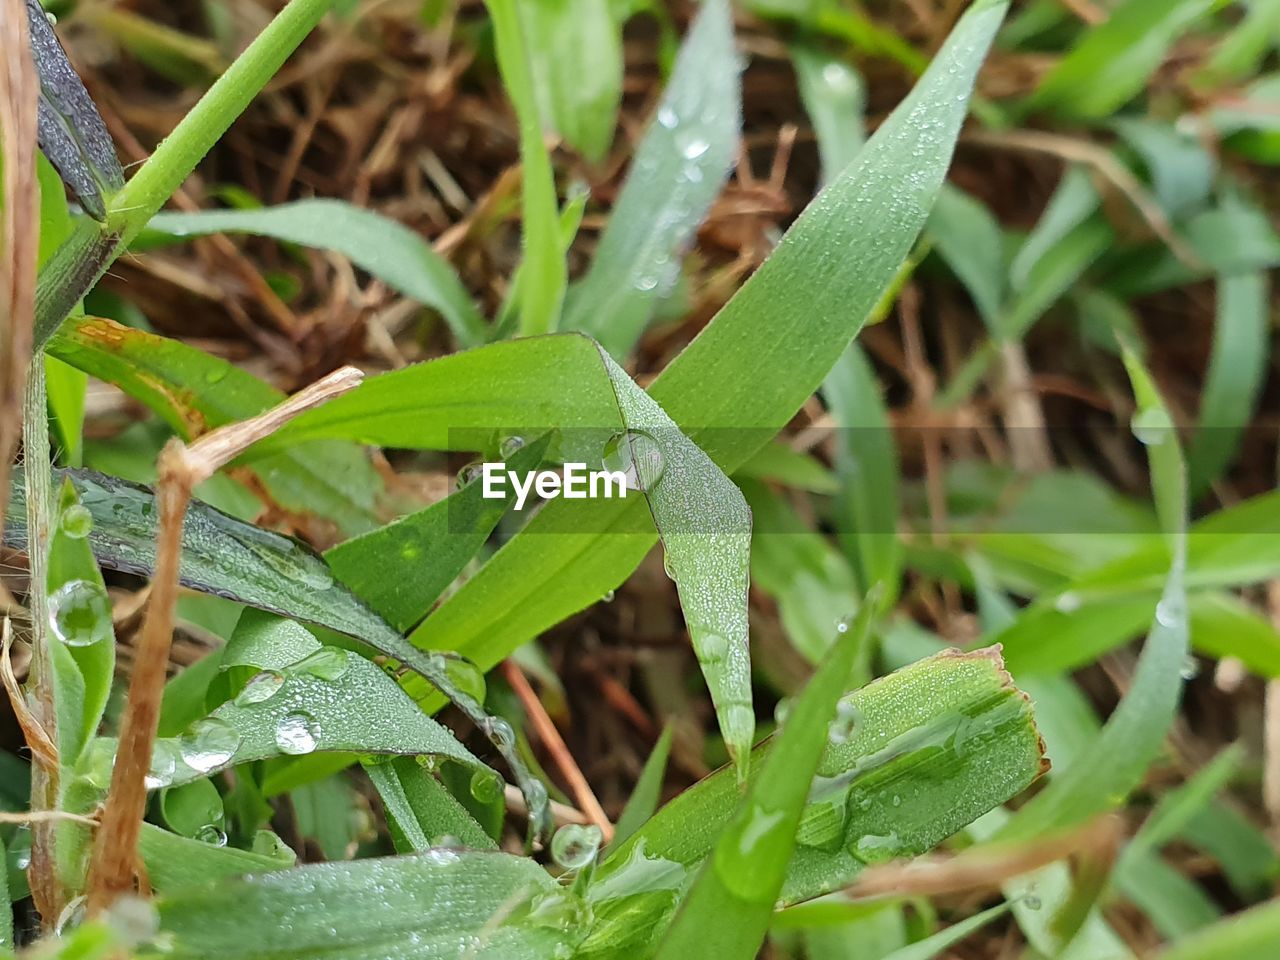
(568, 382)
(678, 170)
(575, 53)
(82, 640)
(419, 808)
(1237, 369)
(835, 97)
(402, 568)
(1251, 935)
(1135, 732)
(906, 720)
(648, 790)
(543, 273)
(388, 250)
(1113, 61)
(932, 946)
(441, 902)
(726, 913)
(866, 462)
(970, 240)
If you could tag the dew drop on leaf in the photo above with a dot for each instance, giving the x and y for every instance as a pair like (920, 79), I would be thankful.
(297, 733)
(1151, 426)
(260, 688)
(212, 835)
(80, 613)
(327, 663)
(209, 744)
(509, 446)
(499, 733)
(637, 456)
(76, 521)
(847, 722)
(486, 786)
(575, 845)
(468, 474)
(164, 763)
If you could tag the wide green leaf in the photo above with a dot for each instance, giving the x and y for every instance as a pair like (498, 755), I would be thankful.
(678, 170)
(388, 250)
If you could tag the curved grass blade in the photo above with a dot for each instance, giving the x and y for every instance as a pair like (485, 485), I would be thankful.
(844, 251)
(1135, 732)
(835, 97)
(678, 170)
(418, 808)
(388, 250)
(727, 911)
(1112, 63)
(569, 382)
(1250, 935)
(436, 905)
(1235, 377)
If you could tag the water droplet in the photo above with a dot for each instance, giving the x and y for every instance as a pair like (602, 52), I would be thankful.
(608, 596)
(782, 710)
(76, 521)
(668, 117)
(260, 688)
(574, 845)
(759, 836)
(646, 282)
(327, 663)
(873, 848)
(638, 456)
(1152, 426)
(164, 763)
(80, 613)
(839, 78)
(441, 856)
(711, 648)
(212, 835)
(1169, 613)
(1190, 668)
(509, 446)
(694, 147)
(468, 474)
(668, 565)
(842, 625)
(486, 786)
(209, 744)
(297, 733)
(499, 733)
(1068, 602)
(217, 373)
(1031, 901)
(847, 722)
(72, 916)
(447, 841)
